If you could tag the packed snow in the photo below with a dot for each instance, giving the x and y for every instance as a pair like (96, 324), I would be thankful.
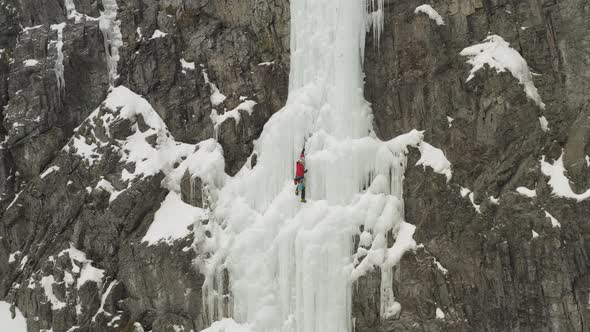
(526, 192)
(12, 256)
(47, 283)
(228, 325)
(554, 222)
(30, 63)
(466, 192)
(435, 158)
(103, 300)
(108, 187)
(497, 53)
(544, 123)
(83, 149)
(559, 181)
(86, 273)
(172, 220)
(440, 267)
(433, 14)
(247, 106)
(27, 29)
(158, 34)
(16, 324)
(216, 96)
(440, 314)
(450, 121)
(204, 160)
(186, 65)
(49, 170)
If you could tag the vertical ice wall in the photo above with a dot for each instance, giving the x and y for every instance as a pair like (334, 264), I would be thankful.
(110, 27)
(59, 61)
(291, 265)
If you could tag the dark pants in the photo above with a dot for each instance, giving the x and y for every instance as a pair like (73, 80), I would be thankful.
(301, 187)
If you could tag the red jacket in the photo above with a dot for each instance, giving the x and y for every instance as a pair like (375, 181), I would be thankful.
(300, 169)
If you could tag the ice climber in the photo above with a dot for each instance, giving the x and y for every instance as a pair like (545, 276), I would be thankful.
(300, 176)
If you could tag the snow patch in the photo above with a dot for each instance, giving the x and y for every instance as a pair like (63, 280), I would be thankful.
(12, 256)
(559, 181)
(544, 123)
(495, 200)
(87, 272)
(186, 65)
(433, 14)
(84, 150)
(535, 235)
(450, 121)
(14, 200)
(435, 158)
(18, 323)
(23, 262)
(527, 192)
(158, 34)
(216, 96)
(440, 314)
(27, 29)
(172, 220)
(139, 34)
(228, 325)
(247, 106)
(47, 284)
(554, 222)
(103, 300)
(49, 171)
(466, 192)
(30, 63)
(440, 267)
(108, 187)
(497, 53)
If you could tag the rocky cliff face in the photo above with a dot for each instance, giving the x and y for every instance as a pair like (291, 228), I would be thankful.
(492, 258)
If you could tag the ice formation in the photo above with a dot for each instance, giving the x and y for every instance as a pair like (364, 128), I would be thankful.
(110, 27)
(497, 53)
(291, 266)
(59, 61)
